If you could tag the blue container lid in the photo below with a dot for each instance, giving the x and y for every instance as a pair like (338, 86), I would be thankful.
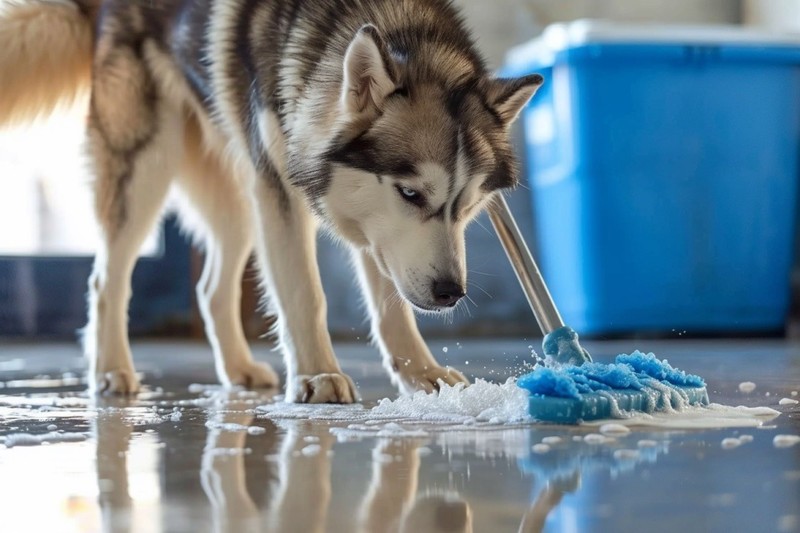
(567, 41)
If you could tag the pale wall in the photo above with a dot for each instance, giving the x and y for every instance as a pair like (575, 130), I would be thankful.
(500, 24)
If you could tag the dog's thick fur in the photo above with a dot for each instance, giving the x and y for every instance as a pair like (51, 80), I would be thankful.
(375, 120)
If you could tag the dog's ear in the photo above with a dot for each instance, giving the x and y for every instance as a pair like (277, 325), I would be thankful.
(370, 74)
(508, 96)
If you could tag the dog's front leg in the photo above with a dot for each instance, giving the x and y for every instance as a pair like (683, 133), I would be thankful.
(286, 246)
(394, 328)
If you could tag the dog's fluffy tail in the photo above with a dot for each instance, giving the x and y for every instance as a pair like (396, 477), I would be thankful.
(45, 57)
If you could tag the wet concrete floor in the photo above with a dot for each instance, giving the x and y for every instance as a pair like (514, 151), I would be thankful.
(183, 458)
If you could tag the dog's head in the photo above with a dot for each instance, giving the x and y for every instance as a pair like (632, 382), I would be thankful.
(423, 146)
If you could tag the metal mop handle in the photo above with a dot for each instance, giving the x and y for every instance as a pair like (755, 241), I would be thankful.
(542, 305)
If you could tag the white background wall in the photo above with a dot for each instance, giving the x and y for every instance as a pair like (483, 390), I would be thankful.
(778, 14)
(500, 24)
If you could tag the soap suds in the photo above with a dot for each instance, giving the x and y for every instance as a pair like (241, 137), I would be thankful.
(311, 450)
(487, 405)
(596, 438)
(540, 448)
(27, 439)
(788, 523)
(233, 427)
(788, 401)
(700, 417)
(230, 452)
(482, 401)
(785, 441)
(730, 443)
(747, 387)
(627, 455)
(551, 441)
(614, 429)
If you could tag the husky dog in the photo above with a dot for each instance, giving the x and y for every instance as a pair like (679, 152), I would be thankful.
(374, 120)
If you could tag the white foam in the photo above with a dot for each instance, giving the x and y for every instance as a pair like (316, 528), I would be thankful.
(357, 431)
(788, 401)
(792, 475)
(393, 429)
(27, 439)
(227, 426)
(383, 458)
(747, 387)
(295, 411)
(730, 443)
(744, 439)
(483, 401)
(552, 440)
(311, 450)
(596, 438)
(52, 427)
(699, 417)
(540, 448)
(788, 523)
(647, 443)
(794, 393)
(256, 430)
(485, 404)
(785, 441)
(614, 429)
(627, 455)
(230, 452)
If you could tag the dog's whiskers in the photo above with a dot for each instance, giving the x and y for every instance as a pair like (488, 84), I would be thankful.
(481, 273)
(484, 291)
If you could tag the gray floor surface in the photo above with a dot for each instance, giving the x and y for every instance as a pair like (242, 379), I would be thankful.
(134, 465)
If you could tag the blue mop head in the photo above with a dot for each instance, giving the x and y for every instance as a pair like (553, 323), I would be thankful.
(591, 391)
(562, 346)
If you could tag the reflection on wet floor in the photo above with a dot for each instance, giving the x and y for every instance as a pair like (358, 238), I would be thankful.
(198, 458)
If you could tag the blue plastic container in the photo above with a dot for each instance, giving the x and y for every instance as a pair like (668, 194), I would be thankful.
(663, 165)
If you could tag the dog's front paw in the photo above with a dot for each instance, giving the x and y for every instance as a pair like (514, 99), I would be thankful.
(122, 382)
(321, 388)
(251, 375)
(427, 379)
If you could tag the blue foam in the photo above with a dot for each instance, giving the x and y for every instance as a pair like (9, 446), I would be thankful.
(574, 393)
(651, 366)
(562, 346)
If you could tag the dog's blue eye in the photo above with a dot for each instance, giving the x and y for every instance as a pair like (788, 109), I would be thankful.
(412, 196)
(409, 193)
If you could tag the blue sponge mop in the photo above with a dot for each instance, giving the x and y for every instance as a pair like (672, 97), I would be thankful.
(635, 382)
(572, 388)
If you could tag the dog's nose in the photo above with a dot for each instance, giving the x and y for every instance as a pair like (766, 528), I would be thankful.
(447, 293)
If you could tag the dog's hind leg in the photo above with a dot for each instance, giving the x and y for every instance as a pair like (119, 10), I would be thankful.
(134, 153)
(394, 329)
(223, 218)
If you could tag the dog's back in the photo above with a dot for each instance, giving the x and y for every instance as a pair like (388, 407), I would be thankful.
(375, 118)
